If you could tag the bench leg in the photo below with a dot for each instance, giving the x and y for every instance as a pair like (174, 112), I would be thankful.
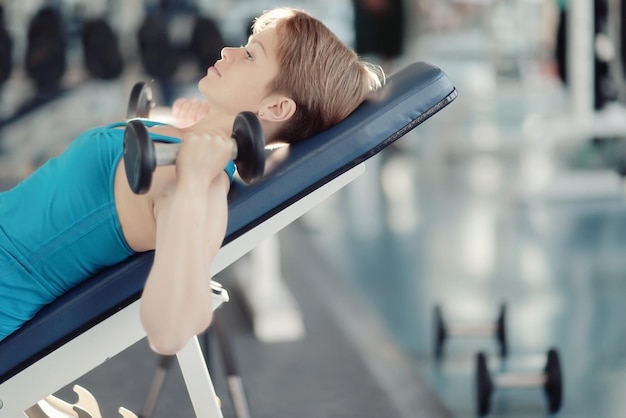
(199, 385)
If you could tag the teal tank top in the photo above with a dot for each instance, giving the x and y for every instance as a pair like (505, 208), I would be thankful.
(59, 226)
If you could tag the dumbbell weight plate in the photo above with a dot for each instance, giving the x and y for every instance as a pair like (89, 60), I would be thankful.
(483, 385)
(501, 331)
(139, 156)
(440, 332)
(140, 101)
(250, 140)
(554, 382)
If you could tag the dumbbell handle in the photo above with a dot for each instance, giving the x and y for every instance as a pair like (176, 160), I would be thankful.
(165, 152)
(471, 329)
(520, 380)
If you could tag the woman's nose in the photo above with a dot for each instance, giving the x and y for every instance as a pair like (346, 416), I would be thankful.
(224, 53)
(228, 53)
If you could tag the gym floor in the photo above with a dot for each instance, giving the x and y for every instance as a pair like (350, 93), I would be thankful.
(453, 223)
(442, 218)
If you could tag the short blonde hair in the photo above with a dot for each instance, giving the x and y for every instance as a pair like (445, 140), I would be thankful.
(326, 78)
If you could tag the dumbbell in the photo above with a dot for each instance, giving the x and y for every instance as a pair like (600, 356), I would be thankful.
(142, 154)
(45, 60)
(496, 329)
(550, 379)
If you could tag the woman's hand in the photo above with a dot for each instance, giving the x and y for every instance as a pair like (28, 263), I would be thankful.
(201, 157)
(187, 111)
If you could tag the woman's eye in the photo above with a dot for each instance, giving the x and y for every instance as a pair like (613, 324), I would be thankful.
(248, 55)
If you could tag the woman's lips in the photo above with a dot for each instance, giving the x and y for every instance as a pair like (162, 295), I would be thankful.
(215, 70)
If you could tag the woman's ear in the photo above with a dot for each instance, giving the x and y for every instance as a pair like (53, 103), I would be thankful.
(277, 109)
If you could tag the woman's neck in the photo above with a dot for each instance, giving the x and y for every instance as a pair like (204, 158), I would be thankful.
(215, 119)
(223, 120)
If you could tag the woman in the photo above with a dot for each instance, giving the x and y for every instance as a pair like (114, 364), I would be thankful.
(77, 215)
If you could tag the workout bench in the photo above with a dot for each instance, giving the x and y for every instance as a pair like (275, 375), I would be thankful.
(100, 317)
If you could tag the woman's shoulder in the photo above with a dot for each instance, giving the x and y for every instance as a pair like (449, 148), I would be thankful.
(157, 131)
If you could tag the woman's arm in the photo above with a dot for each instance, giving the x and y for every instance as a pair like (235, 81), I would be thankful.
(191, 219)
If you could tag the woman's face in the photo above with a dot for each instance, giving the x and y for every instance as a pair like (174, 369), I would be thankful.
(239, 80)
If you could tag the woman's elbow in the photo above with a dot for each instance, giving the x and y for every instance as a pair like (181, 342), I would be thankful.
(170, 339)
(165, 346)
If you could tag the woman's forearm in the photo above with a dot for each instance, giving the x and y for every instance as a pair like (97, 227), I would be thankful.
(176, 302)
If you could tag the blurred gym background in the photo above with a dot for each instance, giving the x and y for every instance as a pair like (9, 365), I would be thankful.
(510, 200)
